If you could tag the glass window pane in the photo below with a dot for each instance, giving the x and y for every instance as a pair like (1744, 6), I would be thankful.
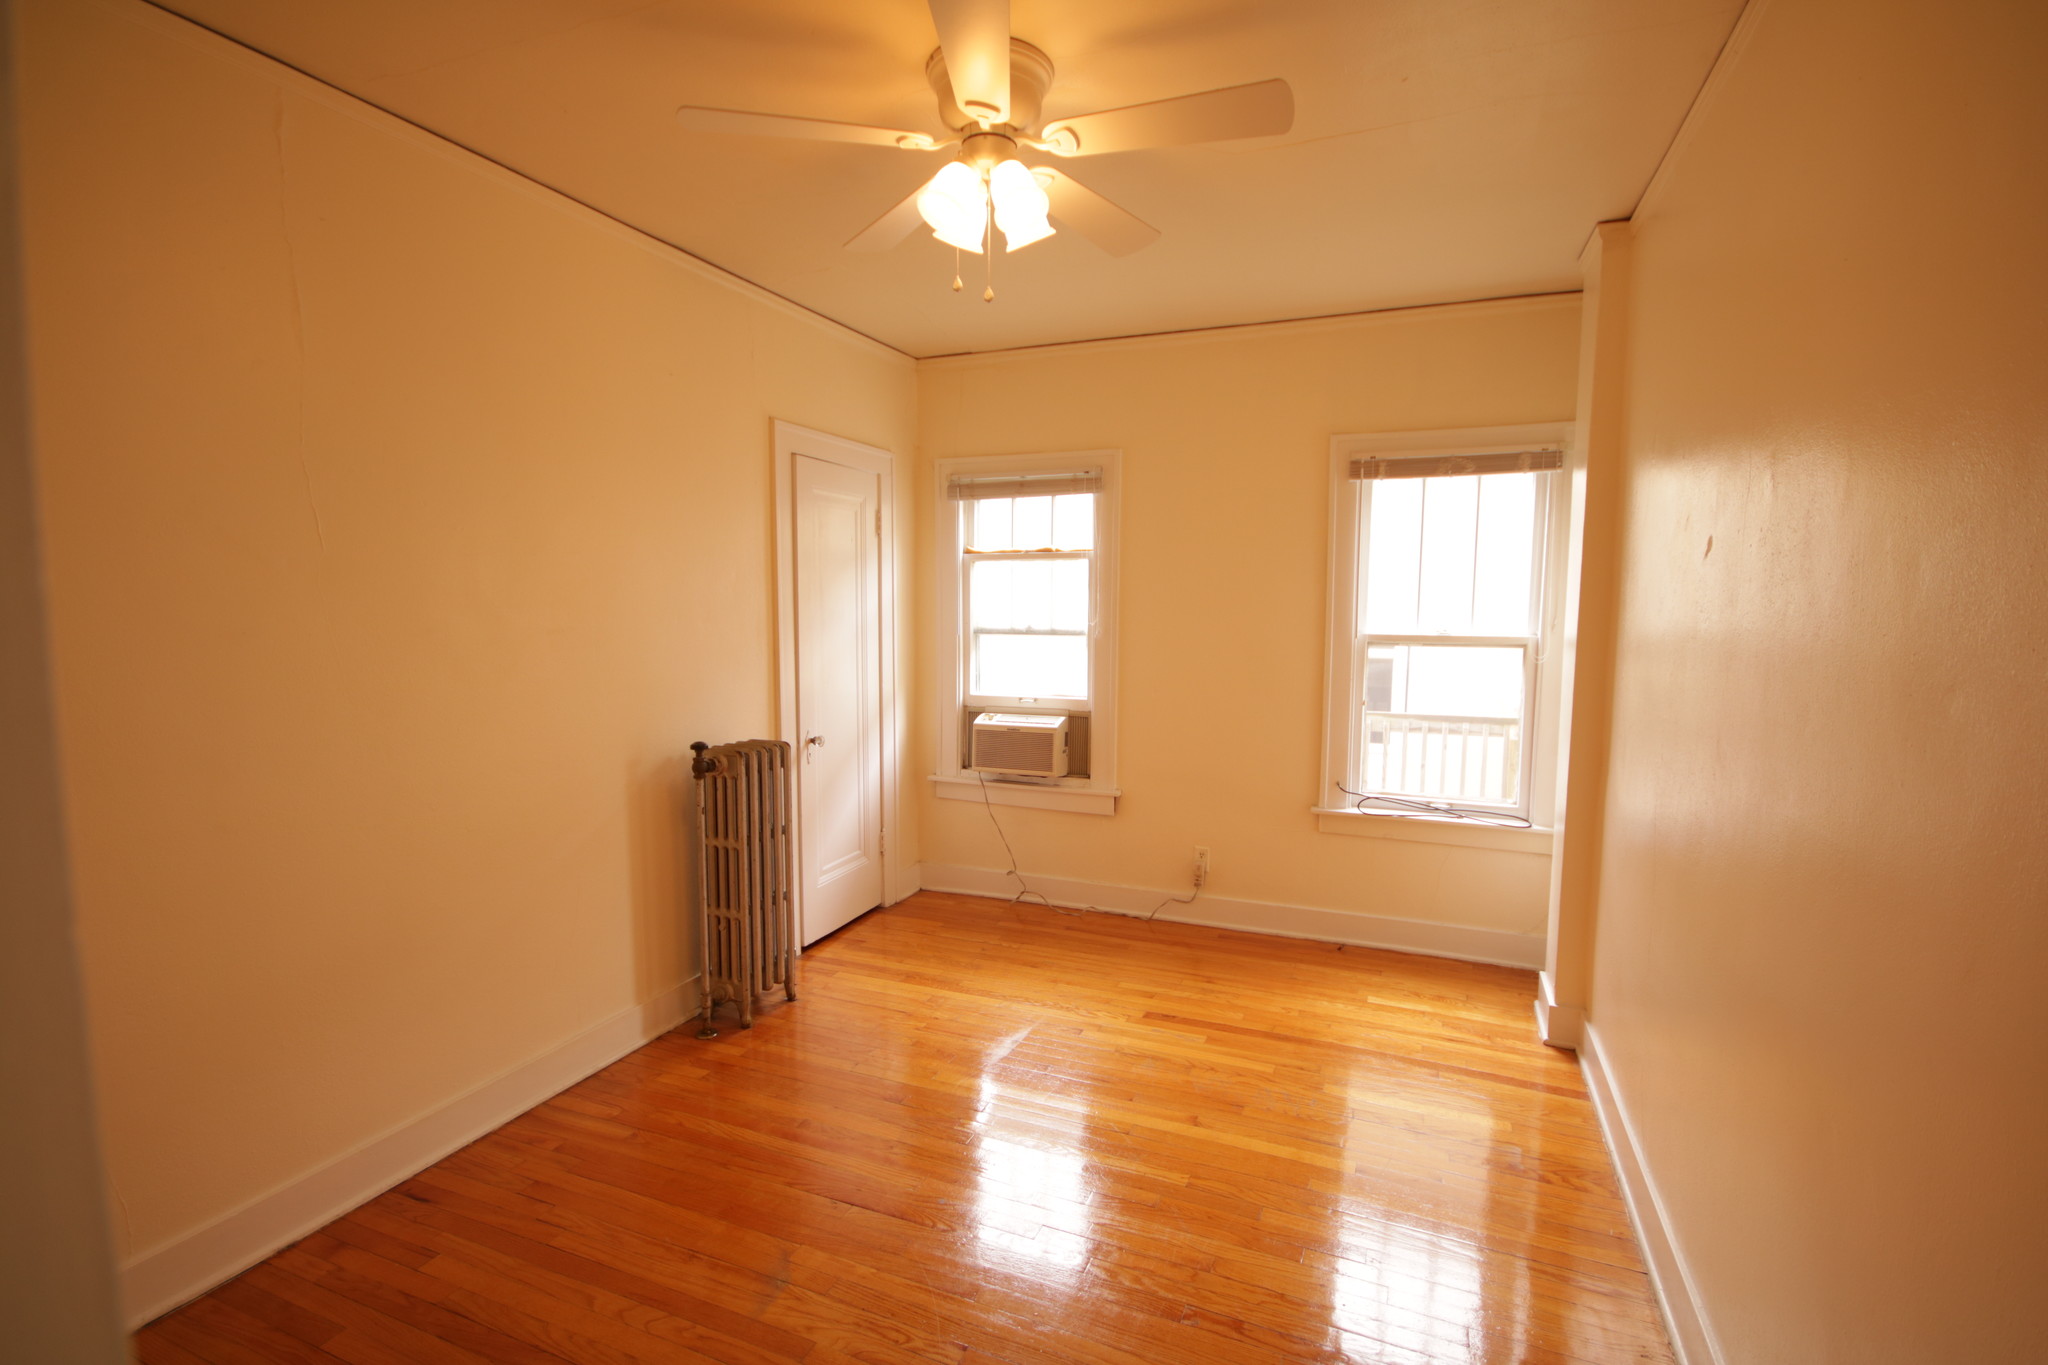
(1393, 559)
(988, 524)
(1506, 554)
(992, 595)
(1069, 592)
(1066, 522)
(1450, 555)
(1379, 677)
(1032, 522)
(1459, 680)
(1450, 525)
(1444, 722)
(1028, 594)
(1031, 666)
(1073, 521)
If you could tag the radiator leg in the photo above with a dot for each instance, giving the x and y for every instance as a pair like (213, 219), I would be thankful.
(704, 951)
(748, 927)
(785, 859)
(785, 907)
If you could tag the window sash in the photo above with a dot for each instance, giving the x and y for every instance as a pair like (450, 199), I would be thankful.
(970, 634)
(1002, 698)
(1355, 762)
(1381, 637)
(978, 631)
(1362, 494)
(1070, 701)
(980, 556)
(1359, 759)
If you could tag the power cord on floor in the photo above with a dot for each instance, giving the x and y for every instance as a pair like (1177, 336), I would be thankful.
(1024, 887)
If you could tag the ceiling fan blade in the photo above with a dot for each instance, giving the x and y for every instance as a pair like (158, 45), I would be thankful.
(1088, 213)
(892, 227)
(975, 36)
(1256, 110)
(784, 125)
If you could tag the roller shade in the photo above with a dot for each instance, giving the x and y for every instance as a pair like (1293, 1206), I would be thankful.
(1023, 485)
(1446, 466)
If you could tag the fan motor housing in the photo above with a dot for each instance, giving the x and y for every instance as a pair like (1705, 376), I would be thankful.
(1030, 76)
(984, 150)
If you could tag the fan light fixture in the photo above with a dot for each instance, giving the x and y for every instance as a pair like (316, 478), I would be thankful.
(1021, 204)
(956, 205)
(991, 88)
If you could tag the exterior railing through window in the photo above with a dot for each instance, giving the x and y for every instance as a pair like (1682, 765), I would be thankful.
(1447, 758)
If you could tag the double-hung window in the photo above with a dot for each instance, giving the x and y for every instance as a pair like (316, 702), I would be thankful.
(1442, 546)
(1027, 569)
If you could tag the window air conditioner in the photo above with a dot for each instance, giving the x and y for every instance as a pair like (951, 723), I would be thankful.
(1019, 746)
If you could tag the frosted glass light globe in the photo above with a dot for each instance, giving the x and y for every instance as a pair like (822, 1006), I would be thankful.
(1021, 204)
(956, 206)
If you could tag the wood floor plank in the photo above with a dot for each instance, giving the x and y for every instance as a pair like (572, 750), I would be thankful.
(224, 1335)
(158, 1346)
(995, 1134)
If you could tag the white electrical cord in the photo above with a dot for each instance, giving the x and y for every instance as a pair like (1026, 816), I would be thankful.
(1024, 888)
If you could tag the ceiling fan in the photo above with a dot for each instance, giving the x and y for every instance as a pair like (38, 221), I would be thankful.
(990, 88)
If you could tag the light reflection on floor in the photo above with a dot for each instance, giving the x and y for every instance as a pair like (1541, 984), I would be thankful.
(1395, 1298)
(1025, 1182)
(1400, 1295)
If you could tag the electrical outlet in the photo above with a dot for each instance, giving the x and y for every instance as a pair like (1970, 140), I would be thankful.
(1201, 864)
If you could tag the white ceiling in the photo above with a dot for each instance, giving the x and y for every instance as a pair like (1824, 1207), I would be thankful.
(1441, 150)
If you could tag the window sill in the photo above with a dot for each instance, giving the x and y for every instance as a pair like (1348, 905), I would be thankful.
(1077, 799)
(1427, 829)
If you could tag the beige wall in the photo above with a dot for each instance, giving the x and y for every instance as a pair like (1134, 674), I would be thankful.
(405, 523)
(390, 504)
(57, 1301)
(1823, 925)
(1226, 446)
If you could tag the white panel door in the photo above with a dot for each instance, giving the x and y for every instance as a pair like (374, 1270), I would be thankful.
(838, 692)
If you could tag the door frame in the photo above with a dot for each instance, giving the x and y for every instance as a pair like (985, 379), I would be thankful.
(791, 441)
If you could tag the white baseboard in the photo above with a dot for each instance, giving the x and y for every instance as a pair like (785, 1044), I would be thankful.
(1558, 1025)
(160, 1280)
(1684, 1316)
(1497, 946)
(904, 882)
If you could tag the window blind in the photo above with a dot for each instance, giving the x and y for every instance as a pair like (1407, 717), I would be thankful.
(1445, 466)
(960, 489)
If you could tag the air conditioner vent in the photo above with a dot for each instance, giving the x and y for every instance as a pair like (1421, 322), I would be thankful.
(1021, 746)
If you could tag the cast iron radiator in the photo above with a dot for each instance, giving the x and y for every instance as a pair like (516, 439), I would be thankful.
(746, 874)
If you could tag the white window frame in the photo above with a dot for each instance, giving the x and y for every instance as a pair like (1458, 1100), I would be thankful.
(1096, 793)
(1336, 812)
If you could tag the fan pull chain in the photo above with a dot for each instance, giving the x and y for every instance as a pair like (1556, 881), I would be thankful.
(988, 260)
(956, 269)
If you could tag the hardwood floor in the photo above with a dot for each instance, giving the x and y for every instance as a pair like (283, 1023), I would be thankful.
(1001, 1133)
